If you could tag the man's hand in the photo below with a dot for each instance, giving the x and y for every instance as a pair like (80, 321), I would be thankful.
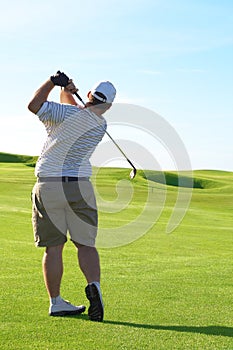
(60, 79)
(71, 88)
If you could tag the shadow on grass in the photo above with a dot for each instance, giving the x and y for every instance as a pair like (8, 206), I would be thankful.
(208, 330)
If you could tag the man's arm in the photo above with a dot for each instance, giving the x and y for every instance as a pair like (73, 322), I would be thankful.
(66, 94)
(40, 96)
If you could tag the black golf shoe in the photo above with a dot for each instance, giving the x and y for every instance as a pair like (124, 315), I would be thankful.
(96, 308)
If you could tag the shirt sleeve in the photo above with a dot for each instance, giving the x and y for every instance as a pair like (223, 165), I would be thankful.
(52, 113)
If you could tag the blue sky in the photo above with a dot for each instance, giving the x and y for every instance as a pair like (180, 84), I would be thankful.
(173, 57)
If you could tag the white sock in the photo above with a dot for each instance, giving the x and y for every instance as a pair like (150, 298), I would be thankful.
(56, 300)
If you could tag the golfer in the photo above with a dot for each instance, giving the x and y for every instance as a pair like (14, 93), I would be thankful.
(63, 197)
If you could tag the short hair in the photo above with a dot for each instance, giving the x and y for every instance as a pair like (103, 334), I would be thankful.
(94, 101)
(101, 105)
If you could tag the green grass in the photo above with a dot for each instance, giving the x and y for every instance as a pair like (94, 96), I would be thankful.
(17, 158)
(161, 291)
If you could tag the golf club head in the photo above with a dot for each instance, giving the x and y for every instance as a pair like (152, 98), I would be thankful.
(133, 173)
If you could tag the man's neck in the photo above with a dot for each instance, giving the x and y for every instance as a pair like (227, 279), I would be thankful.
(93, 109)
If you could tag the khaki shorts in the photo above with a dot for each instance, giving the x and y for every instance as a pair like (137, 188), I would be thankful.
(59, 207)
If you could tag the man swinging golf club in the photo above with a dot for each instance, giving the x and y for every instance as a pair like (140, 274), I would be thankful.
(63, 197)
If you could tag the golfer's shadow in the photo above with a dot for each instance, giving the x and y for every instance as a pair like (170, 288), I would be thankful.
(208, 330)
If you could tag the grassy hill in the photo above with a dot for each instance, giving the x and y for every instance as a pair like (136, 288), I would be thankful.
(17, 158)
(201, 179)
(162, 291)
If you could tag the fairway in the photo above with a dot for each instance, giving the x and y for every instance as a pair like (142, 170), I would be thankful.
(162, 291)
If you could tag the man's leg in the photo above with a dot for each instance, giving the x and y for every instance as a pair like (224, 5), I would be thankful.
(53, 269)
(82, 225)
(88, 258)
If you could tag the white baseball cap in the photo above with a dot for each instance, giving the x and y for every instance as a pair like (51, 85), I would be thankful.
(107, 89)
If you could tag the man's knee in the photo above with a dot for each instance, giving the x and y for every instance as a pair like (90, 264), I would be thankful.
(54, 249)
(83, 246)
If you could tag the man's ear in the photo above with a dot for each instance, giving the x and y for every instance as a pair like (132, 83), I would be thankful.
(88, 94)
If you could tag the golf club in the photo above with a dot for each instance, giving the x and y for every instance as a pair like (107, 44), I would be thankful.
(134, 170)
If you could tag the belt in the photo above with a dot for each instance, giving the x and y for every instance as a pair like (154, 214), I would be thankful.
(62, 179)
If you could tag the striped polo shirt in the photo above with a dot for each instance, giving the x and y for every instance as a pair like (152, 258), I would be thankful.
(72, 136)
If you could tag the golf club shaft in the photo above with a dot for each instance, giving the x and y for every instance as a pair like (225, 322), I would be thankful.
(80, 99)
(120, 150)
